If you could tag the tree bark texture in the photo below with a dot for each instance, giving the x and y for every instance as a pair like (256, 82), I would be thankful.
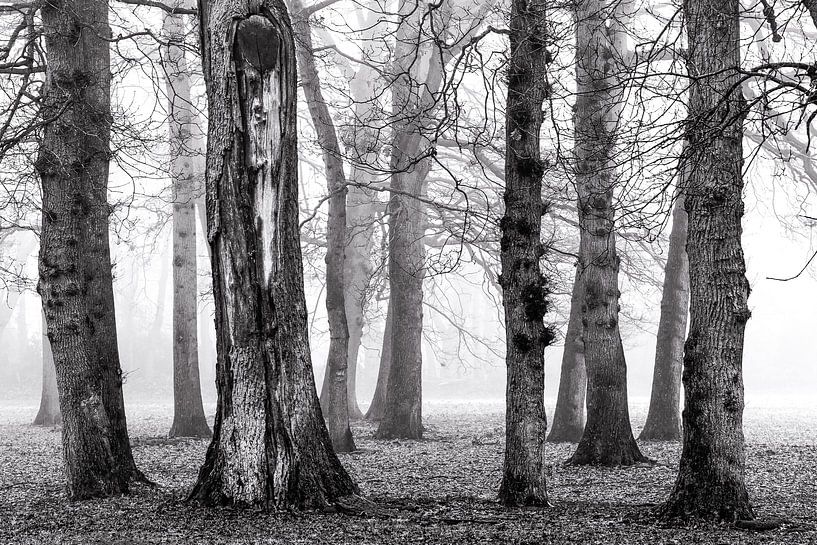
(664, 415)
(188, 411)
(568, 417)
(76, 283)
(270, 446)
(378, 406)
(710, 482)
(49, 413)
(337, 407)
(524, 287)
(608, 437)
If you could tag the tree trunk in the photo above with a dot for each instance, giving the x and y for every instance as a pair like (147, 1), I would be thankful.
(710, 482)
(270, 447)
(76, 284)
(49, 413)
(524, 287)
(188, 411)
(568, 418)
(664, 416)
(608, 437)
(337, 413)
(378, 406)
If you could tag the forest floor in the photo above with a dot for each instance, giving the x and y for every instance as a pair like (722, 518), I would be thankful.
(439, 490)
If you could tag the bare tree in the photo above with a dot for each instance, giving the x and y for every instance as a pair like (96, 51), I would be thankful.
(49, 412)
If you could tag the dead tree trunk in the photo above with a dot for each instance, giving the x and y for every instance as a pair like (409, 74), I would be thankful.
(76, 284)
(608, 437)
(188, 411)
(337, 407)
(270, 447)
(568, 417)
(378, 405)
(524, 287)
(664, 416)
(710, 482)
(49, 413)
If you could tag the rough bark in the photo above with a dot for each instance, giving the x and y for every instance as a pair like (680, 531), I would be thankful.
(76, 284)
(524, 287)
(188, 411)
(664, 415)
(568, 417)
(608, 437)
(49, 413)
(270, 446)
(710, 482)
(378, 405)
(337, 406)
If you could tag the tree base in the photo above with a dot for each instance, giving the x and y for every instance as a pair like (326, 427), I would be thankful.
(513, 493)
(565, 434)
(660, 434)
(46, 419)
(708, 499)
(594, 453)
(190, 427)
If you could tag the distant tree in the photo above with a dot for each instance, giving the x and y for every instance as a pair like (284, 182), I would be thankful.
(49, 413)
(710, 482)
(378, 404)
(75, 262)
(525, 289)
(270, 447)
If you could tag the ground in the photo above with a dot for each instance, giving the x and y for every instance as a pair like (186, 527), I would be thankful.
(440, 490)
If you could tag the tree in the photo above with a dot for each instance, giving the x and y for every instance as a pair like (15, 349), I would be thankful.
(337, 406)
(664, 417)
(270, 446)
(525, 289)
(188, 411)
(607, 438)
(710, 481)
(378, 405)
(568, 417)
(75, 263)
(49, 412)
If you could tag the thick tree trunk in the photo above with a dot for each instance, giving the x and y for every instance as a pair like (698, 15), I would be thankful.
(270, 447)
(49, 413)
(188, 411)
(710, 480)
(378, 406)
(568, 418)
(608, 437)
(664, 416)
(337, 406)
(76, 284)
(525, 290)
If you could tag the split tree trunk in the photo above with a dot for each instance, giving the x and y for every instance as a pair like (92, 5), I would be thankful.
(524, 287)
(270, 447)
(608, 437)
(710, 482)
(76, 284)
(188, 411)
(49, 413)
(664, 416)
(568, 417)
(378, 406)
(337, 406)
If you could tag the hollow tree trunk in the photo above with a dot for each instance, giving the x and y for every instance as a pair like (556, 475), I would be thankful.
(49, 413)
(664, 416)
(568, 418)
(710, 480)
(608, 437)
(378, 405)
(76, 284)
(270, 446)
(188, 411)
(524, 287)
(337, 406)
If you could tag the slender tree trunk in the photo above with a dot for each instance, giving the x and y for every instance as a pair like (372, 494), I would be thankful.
(270, 447)
(49, 413)
(524, 287)
(710, 482)
(608, 437)
(76, 284)
(568, 418)
(188, 411)
(337, 415)
(378, 406)
(664, 416)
